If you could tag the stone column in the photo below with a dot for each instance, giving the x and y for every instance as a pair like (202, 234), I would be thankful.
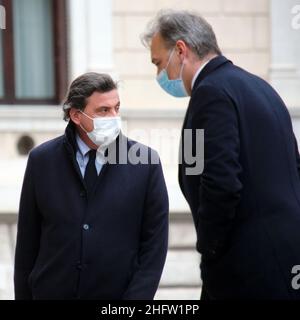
(90, 36)
(285, 51)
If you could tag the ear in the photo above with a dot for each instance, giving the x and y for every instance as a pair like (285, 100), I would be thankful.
(75, 115)
(181, 48)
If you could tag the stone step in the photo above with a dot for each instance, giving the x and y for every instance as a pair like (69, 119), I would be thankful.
(181, 269)
(6, 262)
(182, 234)
(184, 293)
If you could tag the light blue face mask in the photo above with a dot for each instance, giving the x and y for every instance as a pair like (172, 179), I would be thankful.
(173, 87)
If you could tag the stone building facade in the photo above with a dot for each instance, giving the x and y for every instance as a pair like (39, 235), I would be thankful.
(262, 36)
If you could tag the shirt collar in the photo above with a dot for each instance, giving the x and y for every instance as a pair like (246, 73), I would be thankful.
(84, 149)
(198, 72)
(82, 146)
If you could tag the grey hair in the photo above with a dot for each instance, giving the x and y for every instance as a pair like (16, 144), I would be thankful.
(173, 25)
(83, 87)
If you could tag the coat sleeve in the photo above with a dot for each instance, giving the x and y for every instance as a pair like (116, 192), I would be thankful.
(219, 184)
(28, 235)
(297, 155)
(154, 239)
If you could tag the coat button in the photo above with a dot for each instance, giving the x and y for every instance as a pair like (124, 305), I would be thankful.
(86, 227)
(213, 252)
(82, 194)
(79, 266)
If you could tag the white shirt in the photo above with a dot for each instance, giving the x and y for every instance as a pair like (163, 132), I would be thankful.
(82, 156)
(198, 72)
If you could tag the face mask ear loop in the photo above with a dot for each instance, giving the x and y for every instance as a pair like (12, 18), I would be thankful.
(181, 69)
(86, 115)
(83, 128)
(171, 55)
(182, 65)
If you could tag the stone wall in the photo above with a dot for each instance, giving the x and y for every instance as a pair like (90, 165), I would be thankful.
(242, 28)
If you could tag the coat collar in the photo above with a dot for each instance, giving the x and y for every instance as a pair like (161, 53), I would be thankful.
(212, 65)
(69, 140)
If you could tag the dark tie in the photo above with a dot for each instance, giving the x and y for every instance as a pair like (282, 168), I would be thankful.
(90, 175)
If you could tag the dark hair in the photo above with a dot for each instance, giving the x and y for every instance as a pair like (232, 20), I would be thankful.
(83, 87)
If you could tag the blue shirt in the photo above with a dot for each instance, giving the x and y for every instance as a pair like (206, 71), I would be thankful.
(82, 156)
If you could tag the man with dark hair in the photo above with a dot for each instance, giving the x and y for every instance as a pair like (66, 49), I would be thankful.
(89, 228)
(246, 202)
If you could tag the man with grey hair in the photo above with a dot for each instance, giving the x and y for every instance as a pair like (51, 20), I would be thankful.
(246, 202)
(90, 229)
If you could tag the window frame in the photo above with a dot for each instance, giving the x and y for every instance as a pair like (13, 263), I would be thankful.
(59, 34)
